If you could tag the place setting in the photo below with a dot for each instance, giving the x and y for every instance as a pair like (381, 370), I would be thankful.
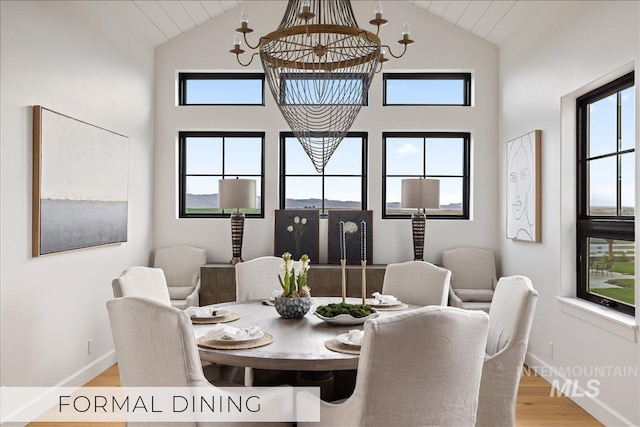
(348, 343)
(387, 302)
(204, 315)
(225, 337)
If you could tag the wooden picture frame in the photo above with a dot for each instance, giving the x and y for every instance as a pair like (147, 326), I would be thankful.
(352, 220)
(297, 231)
(523, 208)
(80, 184)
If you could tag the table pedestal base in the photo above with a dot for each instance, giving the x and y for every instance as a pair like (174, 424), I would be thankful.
(322, 379)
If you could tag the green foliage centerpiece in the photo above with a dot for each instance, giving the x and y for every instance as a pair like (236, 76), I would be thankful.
(295, 300)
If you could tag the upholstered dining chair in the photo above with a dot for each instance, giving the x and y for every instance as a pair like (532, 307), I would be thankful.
(156, 347)
(473, 277)
(258, 278)
(181, 265)
(142, 282)
(416, 368)
(417, 282)
(510, 319)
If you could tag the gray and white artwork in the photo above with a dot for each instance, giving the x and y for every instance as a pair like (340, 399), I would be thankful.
(523, 198)
(83, 185)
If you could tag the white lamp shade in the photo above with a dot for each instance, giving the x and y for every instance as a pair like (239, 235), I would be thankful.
(237, 193)
(421, 193)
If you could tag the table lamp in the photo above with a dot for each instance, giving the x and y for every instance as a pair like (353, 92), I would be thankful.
(237, 194)
(421, 194)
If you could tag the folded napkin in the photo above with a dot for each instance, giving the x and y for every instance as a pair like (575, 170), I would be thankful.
(384, 299)
(229, 332)
(355, 336)
(198, 311)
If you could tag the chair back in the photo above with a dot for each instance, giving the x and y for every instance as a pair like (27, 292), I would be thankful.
(471, 268)
(154, 344)
(422, 367)
(142, 282)
(417, 282)
(510, 319)
(181, 265)
(258, 278)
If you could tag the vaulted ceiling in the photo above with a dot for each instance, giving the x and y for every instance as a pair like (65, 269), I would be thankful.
(162, 20)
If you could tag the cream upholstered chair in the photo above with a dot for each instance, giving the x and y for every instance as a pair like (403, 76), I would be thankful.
(258, 278)
(181, 265)
(156, 347)
(510, 320)
(473, 277)
(417, 282)
(417, 368)
(142, 282)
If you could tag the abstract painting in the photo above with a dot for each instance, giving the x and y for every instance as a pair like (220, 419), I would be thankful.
(80, 184)
(352, 232)
(523, 188)
(297, 232)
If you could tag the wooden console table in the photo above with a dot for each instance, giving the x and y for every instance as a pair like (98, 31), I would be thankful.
(218, 281)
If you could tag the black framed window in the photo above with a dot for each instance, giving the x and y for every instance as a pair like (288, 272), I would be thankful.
(342, 184)
(426, 89)
(205, 158)
(606, 195)
(439, 155)
(310, 89)
(221, 88)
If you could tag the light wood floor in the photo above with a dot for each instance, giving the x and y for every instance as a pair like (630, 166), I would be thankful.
(534, 407)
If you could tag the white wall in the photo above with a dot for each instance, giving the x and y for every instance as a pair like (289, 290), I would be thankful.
(439, 46)
(546, 64)
(79, 59)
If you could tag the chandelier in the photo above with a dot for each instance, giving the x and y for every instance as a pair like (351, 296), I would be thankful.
(319, 65)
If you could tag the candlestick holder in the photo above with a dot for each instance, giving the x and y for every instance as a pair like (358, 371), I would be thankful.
(364, 282)
(343, 263)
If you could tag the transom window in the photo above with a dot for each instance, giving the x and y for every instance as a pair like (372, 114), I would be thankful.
(427, 89)
(342, 184)
(221, 89)
(207, 157)
(301, 89)
(438, 155)
(606, 195)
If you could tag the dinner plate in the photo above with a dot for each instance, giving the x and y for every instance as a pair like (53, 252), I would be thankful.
(220, 313)
(387, 304)
(347, 319)
(255, 336)
(346, 339)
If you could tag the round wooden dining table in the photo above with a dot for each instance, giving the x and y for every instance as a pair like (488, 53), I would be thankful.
(298, 345)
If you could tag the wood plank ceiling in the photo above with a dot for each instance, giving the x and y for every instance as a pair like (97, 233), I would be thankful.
(162, 20)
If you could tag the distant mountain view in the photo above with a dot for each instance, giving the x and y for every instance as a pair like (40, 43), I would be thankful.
(204, 201)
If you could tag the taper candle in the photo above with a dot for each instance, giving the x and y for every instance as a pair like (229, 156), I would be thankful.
(363, 241)
(343, 248)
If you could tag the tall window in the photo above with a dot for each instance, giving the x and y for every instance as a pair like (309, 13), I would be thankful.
(206, 157)
(221, 89)
(606, 195)
(427, 89)
(438, 155)
(342, 185)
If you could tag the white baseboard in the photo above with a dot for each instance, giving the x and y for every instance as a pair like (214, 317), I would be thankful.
(594, 406)
(89, 372)
(75, 380)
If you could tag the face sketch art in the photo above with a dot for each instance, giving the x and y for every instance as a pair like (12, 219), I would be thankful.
(520, 189)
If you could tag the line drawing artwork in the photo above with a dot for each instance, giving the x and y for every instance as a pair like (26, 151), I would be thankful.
(523, 190)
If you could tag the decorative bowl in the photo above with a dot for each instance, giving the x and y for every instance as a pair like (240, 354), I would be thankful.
(347, 319)
(292, 308)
